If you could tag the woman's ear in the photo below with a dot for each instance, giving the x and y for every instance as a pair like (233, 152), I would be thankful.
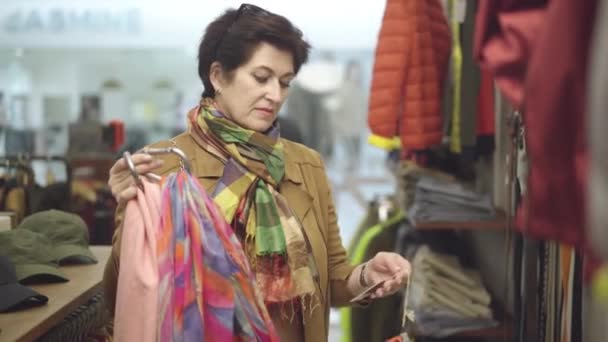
(216, 75)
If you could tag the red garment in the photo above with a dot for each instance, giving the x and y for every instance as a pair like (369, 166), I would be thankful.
(539, 56)
(505, 35)
(412, 53)
(554, 116)
(485, 105)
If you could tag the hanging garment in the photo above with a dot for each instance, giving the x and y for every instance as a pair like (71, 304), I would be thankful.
(207, 290)
(519, 42)
(566, 263)
(53, 196)
(465, 77)
(374, 322)
(523, 167)
(98, 214)
(577, 320)
(469, 75)
(486, 139)
(505, 36)
(530, 292)
(370, 219)
(183, 266)
(470, 106)
(16, 201)
(554, 117)
(136, 314)
(455, 134)
(597, 102)
(485, 105)
(409, 69)
(500, 175)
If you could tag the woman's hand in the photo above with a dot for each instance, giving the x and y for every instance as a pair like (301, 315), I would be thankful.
(390, 267)
(121, 181)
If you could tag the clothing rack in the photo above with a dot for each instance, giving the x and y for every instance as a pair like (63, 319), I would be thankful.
(12, 163)
(534, 276)
(537, 269)
(26, 159)
(23, 194)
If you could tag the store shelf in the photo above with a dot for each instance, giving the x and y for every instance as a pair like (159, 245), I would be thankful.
(500, 223)
(503, 331)
(499, 333)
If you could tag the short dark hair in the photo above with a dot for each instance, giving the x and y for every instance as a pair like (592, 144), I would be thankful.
(232, 37)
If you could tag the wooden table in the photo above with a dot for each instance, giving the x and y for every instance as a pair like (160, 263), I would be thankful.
(64, 298)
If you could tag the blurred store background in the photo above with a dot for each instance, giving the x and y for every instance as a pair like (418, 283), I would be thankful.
(70, 69)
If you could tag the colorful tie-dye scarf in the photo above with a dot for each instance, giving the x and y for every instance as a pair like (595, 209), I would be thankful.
(274, 239)
(207, 289)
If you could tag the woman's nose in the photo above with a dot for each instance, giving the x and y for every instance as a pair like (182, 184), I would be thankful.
(273, 93)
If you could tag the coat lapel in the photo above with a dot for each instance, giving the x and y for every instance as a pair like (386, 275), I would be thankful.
(299, 200)
(294, 189)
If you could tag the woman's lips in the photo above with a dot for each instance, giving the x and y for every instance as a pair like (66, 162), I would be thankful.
(265, 112)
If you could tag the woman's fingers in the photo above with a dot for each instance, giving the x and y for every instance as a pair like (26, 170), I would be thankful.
(127, 194)
(138, 158)
(120, 186)
(121, 181)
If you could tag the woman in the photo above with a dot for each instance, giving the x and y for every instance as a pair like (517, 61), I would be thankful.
(247, 59)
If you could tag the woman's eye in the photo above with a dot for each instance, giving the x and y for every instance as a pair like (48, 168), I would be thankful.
(285, 84)
(260, 79)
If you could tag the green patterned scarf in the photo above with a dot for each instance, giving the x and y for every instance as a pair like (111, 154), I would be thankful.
(273, 237)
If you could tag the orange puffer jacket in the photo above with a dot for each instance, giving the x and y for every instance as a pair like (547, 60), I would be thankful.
(411, 62)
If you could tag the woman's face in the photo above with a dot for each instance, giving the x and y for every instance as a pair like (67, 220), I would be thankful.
(253, 96)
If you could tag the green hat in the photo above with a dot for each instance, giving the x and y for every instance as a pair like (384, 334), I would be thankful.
(67, 232)
(31, 254)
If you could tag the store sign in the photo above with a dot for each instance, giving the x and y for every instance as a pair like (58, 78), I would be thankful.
(63, 20)
(93, 24)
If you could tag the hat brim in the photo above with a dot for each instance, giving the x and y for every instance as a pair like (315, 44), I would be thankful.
(39, 273)
(15, 296)
(73, 254)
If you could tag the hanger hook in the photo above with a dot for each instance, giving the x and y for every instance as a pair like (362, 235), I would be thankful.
(174, 150)
(152, 151)
(127, 157)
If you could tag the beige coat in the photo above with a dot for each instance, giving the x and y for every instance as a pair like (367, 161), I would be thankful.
(307, 190)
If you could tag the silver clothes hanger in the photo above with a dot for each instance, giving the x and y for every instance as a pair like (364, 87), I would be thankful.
(184, 162)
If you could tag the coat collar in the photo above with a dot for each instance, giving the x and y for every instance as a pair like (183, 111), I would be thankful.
(206, 165)
(209, 166)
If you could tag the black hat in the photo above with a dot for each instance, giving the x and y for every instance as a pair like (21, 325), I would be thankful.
(13, 295)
